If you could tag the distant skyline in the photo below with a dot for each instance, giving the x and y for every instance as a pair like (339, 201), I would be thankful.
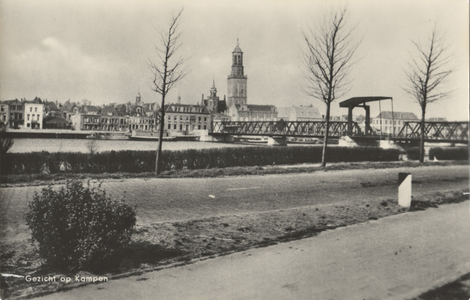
(99, 50)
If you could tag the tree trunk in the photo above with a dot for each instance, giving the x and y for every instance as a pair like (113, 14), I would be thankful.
(160, 139)
(325, 138)
(421, 142)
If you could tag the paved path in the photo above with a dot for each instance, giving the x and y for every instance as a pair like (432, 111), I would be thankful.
(393, 258)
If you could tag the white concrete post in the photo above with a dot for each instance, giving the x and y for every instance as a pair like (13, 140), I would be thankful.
(404, 189)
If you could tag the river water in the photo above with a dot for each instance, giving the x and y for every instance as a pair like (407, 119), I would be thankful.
(80, 145)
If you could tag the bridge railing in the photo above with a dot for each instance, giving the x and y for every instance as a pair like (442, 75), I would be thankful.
(439, 131)
(284, 128)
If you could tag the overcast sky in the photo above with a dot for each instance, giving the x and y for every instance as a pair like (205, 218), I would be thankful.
(99, 50)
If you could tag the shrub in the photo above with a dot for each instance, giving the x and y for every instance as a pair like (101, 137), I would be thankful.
(77, 227)
(412, 153)
(453, 153)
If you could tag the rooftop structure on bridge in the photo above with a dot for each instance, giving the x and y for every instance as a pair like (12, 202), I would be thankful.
(351, 103)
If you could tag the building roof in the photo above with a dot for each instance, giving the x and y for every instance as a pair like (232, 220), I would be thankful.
(36, 100)
(121, 109)
(355, 101)
(108, 111)
(261, 108)
(306, 111)
(173, 107)
(15, 101)
(237, 48)
(90, 109)
(397, 115)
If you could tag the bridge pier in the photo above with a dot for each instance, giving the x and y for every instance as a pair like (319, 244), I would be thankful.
(277, 141)
(389, 144)
(346, 141)
(218, 138)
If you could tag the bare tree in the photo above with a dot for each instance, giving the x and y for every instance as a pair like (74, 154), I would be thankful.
(167, 72)
(327, 59)
(426, 71)
(86, 102)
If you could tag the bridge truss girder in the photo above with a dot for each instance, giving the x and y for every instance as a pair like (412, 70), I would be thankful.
(435, 131)
(284, 128)
(454, 132)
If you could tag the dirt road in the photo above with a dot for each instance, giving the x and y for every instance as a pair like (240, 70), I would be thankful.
(161, 200)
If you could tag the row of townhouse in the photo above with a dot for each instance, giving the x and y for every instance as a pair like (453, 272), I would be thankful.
(140, 116)
(18, 114)
(111, 118)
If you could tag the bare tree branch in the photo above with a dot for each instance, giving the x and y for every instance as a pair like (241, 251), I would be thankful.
(167, 72)
(425, 75)
(327, 60)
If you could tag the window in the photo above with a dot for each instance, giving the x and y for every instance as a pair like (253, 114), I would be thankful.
(198, 126)
(35, 109)
(199, 120)
(28, 118)
(205, 119)
(169, 126)
(175, 118)
(174, 126)
(2, 108)
(205, 127)
(30, 109)
(181, 127)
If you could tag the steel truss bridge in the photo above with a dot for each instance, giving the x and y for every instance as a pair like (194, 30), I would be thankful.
(448, 132)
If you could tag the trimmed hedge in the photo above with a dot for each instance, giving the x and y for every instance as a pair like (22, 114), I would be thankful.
(453, 153)
(448, 153)
(144, 161)
(412, 153)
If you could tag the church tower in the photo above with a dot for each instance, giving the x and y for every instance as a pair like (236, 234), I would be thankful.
(212, 103)
(236, 82)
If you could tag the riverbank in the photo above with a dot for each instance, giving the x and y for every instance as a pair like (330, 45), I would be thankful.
(84, 145)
